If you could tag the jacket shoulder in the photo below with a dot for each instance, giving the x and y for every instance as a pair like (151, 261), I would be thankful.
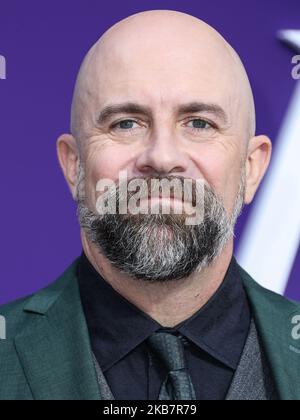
(263, 296)
(16, 313)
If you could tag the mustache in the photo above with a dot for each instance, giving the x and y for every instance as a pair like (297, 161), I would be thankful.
(171, 186)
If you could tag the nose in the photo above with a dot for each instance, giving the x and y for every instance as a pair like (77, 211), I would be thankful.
(162, 155)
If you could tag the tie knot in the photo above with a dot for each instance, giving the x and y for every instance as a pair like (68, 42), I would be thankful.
(169, 349)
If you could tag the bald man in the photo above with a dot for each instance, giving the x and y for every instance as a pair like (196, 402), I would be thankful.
(161, 158)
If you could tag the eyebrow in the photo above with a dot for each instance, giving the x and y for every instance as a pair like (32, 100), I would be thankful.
(134, 108)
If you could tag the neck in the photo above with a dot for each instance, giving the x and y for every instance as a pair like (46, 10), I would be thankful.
(167, 303)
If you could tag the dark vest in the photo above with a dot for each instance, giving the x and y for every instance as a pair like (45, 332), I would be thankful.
(252, 380)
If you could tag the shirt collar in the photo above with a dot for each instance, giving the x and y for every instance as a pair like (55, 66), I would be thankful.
(221, 326)
(116, 326)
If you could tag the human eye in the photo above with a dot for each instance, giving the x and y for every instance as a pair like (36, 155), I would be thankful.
(200, 125)
(124, 125)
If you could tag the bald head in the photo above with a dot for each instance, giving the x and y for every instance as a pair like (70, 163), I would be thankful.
(161, 56)
(161, 94)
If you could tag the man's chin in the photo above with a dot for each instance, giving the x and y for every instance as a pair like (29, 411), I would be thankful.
(162, 233)
(162, 279)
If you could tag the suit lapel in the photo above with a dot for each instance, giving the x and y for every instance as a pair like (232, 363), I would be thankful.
(273, 317)
(55, 350)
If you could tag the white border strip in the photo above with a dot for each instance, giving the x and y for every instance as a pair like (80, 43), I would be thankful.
(271, 239)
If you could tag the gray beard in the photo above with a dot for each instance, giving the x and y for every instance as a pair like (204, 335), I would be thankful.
(161, 247)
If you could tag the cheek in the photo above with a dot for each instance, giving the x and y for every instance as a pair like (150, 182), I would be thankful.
(221, 173)
(103, 163)
(212, 168)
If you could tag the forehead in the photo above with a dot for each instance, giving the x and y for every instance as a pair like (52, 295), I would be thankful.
(162, 76)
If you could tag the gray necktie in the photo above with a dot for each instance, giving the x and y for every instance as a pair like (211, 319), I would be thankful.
(169, 349)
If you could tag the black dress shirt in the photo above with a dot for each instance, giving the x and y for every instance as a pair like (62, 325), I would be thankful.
(214, 338)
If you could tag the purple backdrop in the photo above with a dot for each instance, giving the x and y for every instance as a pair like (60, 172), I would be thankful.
(44, 43)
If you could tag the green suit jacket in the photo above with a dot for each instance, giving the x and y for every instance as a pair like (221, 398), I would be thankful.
(47, 355)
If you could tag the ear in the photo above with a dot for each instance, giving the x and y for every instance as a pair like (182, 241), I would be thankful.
(68, 156)
(258, 159)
